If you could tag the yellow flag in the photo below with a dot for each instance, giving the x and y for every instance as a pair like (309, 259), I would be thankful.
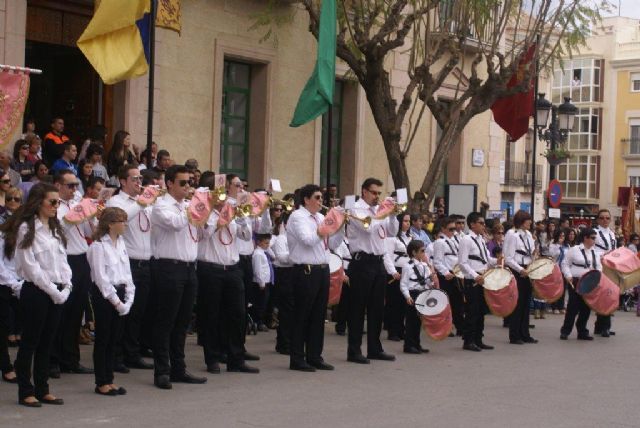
(169, 15)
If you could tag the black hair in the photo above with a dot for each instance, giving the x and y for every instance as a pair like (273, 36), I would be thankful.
(400, 217)
(414, 246)
(174, 170)
(208, 179)
(58, 178)
(93, 180)
(585, 233)
(369, 182)
(473, 217)
(94, 149)
(149, 176)
(262, 236)
(307, 191)
(161, 154)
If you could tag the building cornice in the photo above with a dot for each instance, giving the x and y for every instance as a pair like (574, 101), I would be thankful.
(624, 63)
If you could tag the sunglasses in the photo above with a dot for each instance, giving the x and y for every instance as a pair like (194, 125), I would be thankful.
(53, 202)
(604, 218)
(136, 178)
(13, 199)
(373, 192)
(72, 185)
(7, 181)
(317, 197)
(182, 183)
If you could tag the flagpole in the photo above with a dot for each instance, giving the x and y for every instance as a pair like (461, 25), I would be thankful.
(535, 137)
(329, 146)
(152, 69)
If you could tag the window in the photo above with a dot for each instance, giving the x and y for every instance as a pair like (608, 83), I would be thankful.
(579, 81)
(634, 181)
(634, 137)
(234, 139)
(635, 82)
(336, 142)
(579, 176)
(584, 135)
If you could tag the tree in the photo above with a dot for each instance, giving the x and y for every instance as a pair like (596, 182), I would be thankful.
(483, 38)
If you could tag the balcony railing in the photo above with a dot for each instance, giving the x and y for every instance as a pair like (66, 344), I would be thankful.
(632, 148)
(519, 174)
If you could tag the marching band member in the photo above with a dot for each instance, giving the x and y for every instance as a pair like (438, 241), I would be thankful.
(577, 261)
(222, 287)
(65, 354)
(605, 242)
(367, 276)
(445, 257)
(283, 288)
(112, 294)
(343, 306)
(416, 278)
(474, 260)
(518, 252)
(174, 249)
(460, 222)
(308, 252)
(137, 239)
(38, 241)
(394, 307)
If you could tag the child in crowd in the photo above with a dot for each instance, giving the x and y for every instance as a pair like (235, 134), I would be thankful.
(263, 278)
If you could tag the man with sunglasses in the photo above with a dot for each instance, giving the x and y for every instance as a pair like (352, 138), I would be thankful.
(460, 223)
(579, 260)
(65, 353)
(137, 239)
(368, 274)
(605, 242)
(174, 246)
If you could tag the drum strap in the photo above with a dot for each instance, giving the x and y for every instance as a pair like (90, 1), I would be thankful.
(420, 278)
(483, 254)
(527, 247)
(587, 265)
(606, 244)
(454, 250)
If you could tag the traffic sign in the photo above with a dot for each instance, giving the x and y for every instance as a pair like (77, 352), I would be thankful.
(555, 193)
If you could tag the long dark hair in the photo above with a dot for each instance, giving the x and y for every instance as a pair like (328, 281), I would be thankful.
(407, 233)
(28, 214)
(118, 145)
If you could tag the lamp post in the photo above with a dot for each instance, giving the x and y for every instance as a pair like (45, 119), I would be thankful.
(557, 132)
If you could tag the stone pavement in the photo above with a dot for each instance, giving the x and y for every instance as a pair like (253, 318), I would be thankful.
(551, 384)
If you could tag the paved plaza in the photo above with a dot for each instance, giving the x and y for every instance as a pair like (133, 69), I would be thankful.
(551, 384)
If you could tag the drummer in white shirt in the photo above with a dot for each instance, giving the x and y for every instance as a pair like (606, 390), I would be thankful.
(474, 259)
(577, 261)
(394, 304)
(518, 250)
(283, 287)
(605, 243)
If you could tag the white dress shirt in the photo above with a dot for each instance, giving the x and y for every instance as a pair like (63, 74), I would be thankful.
(219, 244)
(137, 236)
(555, 250)
(518, 249)
(76, 233)
(260, 264)
(8, 275)
(474, 245)
(172, 237)
(305, 245)
(370, 240)
(605, 240)
(409, 280)
(578, 261)
(44, 263)
(280, 249)
(445, 255)
(343, 252)
(397, 249)
(110, 270)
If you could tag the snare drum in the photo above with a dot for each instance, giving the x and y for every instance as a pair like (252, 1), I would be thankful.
(435, 313)
(500, 291)
(546, 279)
(336, 278)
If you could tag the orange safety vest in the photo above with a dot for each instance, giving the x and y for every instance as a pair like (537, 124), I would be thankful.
(57, 140)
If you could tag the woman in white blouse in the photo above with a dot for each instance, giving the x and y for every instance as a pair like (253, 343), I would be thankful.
(38, 244)
(112, 294)
(394, 308)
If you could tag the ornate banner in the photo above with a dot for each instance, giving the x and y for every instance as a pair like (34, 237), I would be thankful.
(14, 92)
(169, 15)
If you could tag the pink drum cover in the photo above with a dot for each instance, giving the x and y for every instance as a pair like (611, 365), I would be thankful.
(335, 286)
(226, 215)
(84, 210)
(259, 202)
(551, 287)
(438, 326)
(604, 299)
(622, 260)
(332, 222)
(386, 208)
(199, 208)
(502, 302)
(148, 196)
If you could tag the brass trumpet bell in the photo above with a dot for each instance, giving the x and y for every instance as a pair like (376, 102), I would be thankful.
(243, 210)
(219, 193)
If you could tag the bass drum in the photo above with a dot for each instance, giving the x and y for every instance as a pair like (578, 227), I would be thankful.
(336, 278)
(599, 292)
(435, 313)
(500, 291)
(546, 279)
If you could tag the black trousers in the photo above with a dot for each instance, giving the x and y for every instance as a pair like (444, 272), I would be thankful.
(603, 323)
(413, 323)
(222, 297)
(474, 310)
(259, 298)
(394, 308)
(174, 286)
(310, 297)
(283, 293)
(367, 281)
(108, 331)
(576, 307)
(452, 288)
(66, 349)
(519, 319)
(39, 325)
(6, 298)
(343, 309)
(132, 329)
(247, 276)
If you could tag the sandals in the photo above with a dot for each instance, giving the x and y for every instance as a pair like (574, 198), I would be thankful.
(110, 392)
(54, 401)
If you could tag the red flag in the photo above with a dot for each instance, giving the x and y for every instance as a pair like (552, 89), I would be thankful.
(512, 113)
(14, 91)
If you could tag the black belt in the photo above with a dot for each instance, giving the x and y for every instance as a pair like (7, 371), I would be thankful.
(310, 266)
(245, 256)
(361, 256)
(139, 263)
(219, 266)
(176, 262)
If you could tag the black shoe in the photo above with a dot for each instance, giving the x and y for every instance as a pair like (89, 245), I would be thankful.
(121, 368)
(54, 372)
(263, 328)
(411, 351)
(54, 401)
(187, 377)
(302, 367)
(424, 350)
(597, 331)
(516, 342)
(612, 333)
(459, 333)
(250, 357)
(120, 391)
(340, 332)
(530, 340)
(4, 378)
(111, 392)
(213, 368)
(243, 369)
(283, 351)
(586, 337)
(320, 365)
(147, 353)
(79, 369)
(223, 359)
(383, 356)
(482, 345)
(532, 326)
(564, 336)
(360, 359)
(394, 338)
(139, 364)
(27, 404)
(452, 334)
(605, 333)
(471, 347)
(162, 382)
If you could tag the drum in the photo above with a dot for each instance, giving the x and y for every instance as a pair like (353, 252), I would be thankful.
(622, 266)
(457, 271)
(336, 278)
(500, 291)
(435, 313)
(599, 292)
(546, 278)
(200, 207)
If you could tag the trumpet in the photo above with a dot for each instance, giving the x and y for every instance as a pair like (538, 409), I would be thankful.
(366, 221)
(219, 193)
(244, 211)
(288, 204)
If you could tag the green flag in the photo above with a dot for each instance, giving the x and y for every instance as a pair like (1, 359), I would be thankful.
(317, 95)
